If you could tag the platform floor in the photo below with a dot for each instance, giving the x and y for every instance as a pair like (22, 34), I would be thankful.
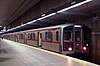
(17, 54)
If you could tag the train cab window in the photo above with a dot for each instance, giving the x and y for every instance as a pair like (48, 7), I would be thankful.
(86, 36)
(68, 36)
(77, 36)
(57, 35)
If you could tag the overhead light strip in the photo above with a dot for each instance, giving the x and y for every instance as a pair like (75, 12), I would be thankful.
(47, 16)
(73, 6)
(31, 22)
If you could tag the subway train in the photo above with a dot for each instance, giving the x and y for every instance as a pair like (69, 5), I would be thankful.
(71, 39)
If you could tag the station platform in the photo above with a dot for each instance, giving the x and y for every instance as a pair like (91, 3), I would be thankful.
(17, 54)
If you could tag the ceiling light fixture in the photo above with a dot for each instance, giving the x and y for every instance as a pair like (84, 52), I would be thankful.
(31, 22)
(47, 16)
(73, 6)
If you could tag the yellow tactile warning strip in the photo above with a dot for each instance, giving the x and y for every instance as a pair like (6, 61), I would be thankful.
(77, 61)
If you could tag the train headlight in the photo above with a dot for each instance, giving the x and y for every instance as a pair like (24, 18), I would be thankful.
(84, 48)
(87, 44)
(70, 49)
(77, 44)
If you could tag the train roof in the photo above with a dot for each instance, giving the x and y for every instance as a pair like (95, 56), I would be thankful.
(58, 26)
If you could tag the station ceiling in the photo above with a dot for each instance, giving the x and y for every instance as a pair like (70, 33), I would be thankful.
(10, 10)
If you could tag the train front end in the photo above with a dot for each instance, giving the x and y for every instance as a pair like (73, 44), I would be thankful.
(82, 39)
(76, 40)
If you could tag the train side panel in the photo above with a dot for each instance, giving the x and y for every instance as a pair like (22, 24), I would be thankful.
(31, 38)
(50, 40)
(21, 37)
(66, 39)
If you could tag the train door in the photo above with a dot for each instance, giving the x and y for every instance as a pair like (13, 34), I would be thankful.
(77, 40)
(86, 40)
(67, 40)
(39, 39)
(25, 36)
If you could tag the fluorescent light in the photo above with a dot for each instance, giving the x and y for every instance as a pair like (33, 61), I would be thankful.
(46, 16)
(23, 24)
(43, 15)
(77, 26)
(1, 32)
(31, 22)
(73, 2)
(8, 30)
(17, 27)
(41, 18)
(34, 21)
(73, 6)
(49, 15)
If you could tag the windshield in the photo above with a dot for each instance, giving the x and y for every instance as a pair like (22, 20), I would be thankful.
(77, 36)
(86, 36)
(67, 36)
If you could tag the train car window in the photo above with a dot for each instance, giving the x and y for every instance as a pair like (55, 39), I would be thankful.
(29, 35)
(21, 36)
(57, 35)
(33, 36)
(46, 36)
(49, 36)
(67, 36)
(77, 36)
(15, 36)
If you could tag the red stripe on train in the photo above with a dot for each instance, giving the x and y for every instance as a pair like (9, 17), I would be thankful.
(51, 42)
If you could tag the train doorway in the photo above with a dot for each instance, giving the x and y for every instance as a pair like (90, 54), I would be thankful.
(39, 39)
(68, 40)
(78, 41)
